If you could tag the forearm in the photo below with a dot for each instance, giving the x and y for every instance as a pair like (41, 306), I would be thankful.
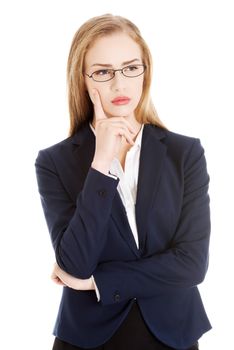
(148, 277)
(144, 278)
(79, 248)
(78, 230)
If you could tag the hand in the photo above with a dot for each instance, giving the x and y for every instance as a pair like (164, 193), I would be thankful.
(109, 134)
(64, 279)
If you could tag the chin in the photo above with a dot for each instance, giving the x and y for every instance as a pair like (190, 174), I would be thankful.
(120, 112)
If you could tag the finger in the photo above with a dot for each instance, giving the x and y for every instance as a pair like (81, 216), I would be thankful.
(127, 137)
(122, 122)
(57, 280)
(131, 128)
(123, 131)
(98, 110)
(63, 276)
(56, 271)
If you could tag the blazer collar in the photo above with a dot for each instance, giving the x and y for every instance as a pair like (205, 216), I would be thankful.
(152, 155)
(83, 148)
(81, 136)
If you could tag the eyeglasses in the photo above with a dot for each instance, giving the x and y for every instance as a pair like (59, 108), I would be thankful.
(131, 71)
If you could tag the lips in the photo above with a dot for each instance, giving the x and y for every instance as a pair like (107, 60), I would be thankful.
(121, 100)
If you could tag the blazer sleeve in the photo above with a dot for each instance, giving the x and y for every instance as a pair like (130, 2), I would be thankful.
(184, 264)
(78, 230)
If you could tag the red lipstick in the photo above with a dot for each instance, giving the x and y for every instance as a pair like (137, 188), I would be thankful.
(121, 100)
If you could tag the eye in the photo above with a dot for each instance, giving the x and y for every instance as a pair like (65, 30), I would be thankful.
(131, 68)
(102, 72)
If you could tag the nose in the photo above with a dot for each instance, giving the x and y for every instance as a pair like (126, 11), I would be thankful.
(118, 82)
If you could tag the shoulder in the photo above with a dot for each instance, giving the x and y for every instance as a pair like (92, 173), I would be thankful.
(182, 142)
(170, 138)
(47, 154)
(56, 148)
(179, 146)
(65, 148)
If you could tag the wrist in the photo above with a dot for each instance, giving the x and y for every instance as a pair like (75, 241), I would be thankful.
(102, 167)
(82, 284)
(89, 285)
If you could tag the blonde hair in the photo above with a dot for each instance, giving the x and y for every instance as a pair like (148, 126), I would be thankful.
(80, 105)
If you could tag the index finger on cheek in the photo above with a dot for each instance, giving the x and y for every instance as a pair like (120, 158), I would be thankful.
(99, 112)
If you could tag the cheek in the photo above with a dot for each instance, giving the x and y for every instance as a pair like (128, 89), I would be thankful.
(88, 86)
(138, 89)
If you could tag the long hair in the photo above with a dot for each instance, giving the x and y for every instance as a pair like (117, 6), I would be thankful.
(80, 105)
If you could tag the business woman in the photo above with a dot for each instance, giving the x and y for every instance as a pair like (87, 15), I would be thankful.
(126, 205)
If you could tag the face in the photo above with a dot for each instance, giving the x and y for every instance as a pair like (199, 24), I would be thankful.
(120, 95)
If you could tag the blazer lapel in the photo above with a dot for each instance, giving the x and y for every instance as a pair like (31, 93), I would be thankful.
(153, 152)
(83, 151)
(119, 215)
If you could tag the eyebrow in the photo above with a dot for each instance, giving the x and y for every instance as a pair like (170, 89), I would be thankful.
(110, 65)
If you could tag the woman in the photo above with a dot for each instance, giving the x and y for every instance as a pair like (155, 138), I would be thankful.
(126, 204)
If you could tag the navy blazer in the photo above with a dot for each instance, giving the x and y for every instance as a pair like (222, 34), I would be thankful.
(91, 236)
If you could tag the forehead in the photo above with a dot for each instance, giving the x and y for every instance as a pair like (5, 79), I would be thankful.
(113, 49)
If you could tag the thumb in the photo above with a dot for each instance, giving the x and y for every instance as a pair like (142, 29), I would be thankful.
(98, 110)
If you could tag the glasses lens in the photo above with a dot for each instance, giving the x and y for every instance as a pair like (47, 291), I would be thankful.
(134, 70)
(103, 75)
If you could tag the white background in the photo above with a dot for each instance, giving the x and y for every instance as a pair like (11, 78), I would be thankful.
(192, 46)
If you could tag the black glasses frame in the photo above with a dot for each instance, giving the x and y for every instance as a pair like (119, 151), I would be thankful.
(117, 70)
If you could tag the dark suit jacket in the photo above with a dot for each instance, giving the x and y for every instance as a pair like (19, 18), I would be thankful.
(91, 236)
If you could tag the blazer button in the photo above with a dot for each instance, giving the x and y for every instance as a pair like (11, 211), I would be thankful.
(102, 193)
(117, 297)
